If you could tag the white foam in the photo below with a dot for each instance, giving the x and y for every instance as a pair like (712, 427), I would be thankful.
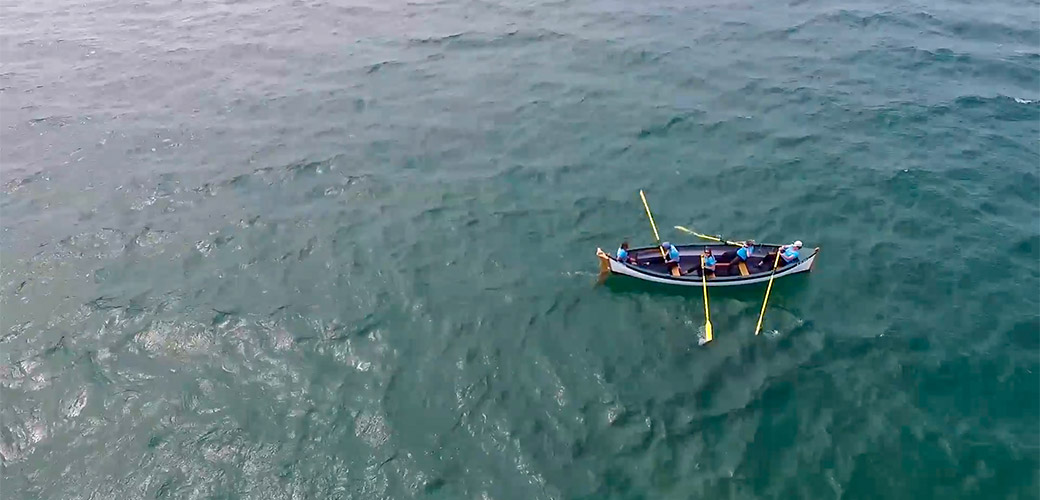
(702, 335)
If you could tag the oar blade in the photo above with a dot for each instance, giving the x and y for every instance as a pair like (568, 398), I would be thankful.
(769, 288)
(708, 335)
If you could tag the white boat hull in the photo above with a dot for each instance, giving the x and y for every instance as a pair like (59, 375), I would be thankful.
(610, 264)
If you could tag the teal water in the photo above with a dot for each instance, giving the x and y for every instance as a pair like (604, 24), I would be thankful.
(270, 250)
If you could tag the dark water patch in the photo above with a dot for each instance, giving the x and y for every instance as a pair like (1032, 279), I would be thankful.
(1026, 334)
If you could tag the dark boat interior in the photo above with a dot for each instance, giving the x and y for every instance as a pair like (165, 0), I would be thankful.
(650, 259)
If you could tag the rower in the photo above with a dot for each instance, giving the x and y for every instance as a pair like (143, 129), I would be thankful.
(623, 256)
(789, 254)
(742, 253)
(709, 264)
(739, 259)
(671, 253)
(671, 257)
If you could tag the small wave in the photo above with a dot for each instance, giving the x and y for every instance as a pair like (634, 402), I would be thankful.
(578, 273)
(478, 40)
(997, 107)
(659, 129)
(437, 39)
(382, 64)
(978, 100)
(858, 19)
(974, 29)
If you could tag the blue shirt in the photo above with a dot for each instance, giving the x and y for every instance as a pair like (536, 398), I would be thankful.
(709, 261)
(745, 252)
(790, 255)
(673, 253)
(622, 254)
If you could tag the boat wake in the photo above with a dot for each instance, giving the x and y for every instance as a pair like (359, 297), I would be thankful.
(579, 273)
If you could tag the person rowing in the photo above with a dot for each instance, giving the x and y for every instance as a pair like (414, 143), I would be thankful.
(708, 261)
(742, 254)
(623, 255)
(671, 255)
(789, 254)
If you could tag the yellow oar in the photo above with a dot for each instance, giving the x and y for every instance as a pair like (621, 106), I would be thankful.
(769, 288)
(652, 225)
(707, 315)
(708, 237)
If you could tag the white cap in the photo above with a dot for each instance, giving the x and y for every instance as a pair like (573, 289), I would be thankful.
(798, 243)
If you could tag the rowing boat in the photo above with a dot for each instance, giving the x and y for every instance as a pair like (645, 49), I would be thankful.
(652, 267)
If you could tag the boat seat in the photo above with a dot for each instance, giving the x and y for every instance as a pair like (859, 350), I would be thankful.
(722, 268)
(743, 268)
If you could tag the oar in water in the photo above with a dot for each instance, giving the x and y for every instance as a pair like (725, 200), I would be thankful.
(652, 225)
(707, 315)
(769, 288)
(708, 237)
